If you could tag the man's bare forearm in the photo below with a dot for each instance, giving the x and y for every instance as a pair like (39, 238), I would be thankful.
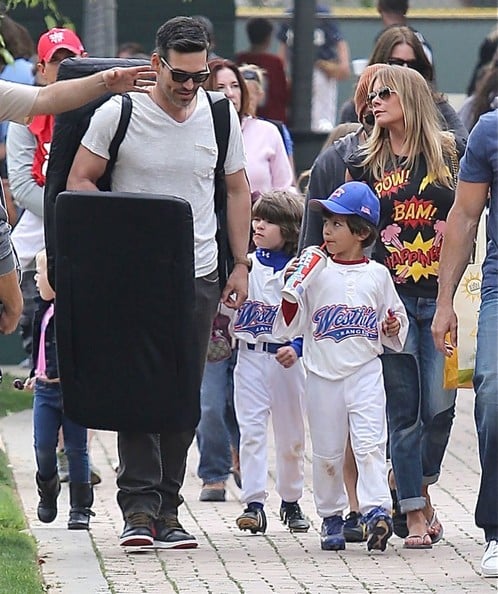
(239, 218)
(10, 302)
(70, 94)
(461, 230)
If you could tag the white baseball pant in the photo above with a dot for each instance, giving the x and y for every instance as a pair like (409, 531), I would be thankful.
(263, 387)
(355, 404)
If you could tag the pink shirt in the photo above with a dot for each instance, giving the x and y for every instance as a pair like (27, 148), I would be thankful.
(268, 166)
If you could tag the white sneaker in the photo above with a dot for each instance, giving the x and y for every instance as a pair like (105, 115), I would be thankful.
(489, 562)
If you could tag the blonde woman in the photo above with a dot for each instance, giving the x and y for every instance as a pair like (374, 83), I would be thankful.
(407, 161)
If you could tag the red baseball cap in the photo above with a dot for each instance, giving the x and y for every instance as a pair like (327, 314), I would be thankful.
(57, 39)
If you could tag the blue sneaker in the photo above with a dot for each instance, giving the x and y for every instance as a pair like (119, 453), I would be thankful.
(332, 534)
(379, 528)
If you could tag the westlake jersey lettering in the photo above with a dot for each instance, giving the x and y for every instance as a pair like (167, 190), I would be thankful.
(255, 318)
(340, 315)
(339, 322)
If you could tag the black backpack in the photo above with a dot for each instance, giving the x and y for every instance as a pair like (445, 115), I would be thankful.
(70, 128)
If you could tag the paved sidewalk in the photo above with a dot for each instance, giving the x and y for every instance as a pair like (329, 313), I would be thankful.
(229, 561)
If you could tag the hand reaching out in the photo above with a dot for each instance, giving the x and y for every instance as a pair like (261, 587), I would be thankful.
(138, 79)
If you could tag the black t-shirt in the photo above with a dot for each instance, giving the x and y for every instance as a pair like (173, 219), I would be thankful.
(413, 212)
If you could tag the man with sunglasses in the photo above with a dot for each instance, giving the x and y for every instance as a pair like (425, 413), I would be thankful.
(170, 148)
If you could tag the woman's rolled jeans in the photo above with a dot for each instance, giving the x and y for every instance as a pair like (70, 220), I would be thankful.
(420, 411)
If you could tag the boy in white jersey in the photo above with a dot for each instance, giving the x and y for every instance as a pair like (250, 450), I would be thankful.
(349, 311)
(268, 377)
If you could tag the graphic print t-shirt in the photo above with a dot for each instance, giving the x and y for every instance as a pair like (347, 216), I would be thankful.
(413, 212)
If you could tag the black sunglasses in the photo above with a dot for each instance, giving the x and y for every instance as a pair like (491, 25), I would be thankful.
(383, 94)
(180, 76)
(413, 64)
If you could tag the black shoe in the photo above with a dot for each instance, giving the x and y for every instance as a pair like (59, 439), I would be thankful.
(48, 492)
(292, 515)
(355, 529)
(170, 534)
(253, 519)
(137, 531)
(81, 499)
(400, 526)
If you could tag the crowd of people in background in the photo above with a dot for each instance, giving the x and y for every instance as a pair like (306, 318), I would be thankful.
(370, 328)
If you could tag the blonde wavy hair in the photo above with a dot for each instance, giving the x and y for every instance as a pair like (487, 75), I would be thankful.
(423, 132)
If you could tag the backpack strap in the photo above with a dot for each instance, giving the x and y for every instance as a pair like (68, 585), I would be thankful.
(220, 108)
(124, 119)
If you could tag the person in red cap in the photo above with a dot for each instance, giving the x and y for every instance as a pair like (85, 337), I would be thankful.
(28, 149)
(57, 44)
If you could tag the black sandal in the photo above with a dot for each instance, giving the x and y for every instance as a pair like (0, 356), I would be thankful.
(400, 527)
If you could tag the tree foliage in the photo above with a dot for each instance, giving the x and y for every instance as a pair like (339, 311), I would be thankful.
(53, 16)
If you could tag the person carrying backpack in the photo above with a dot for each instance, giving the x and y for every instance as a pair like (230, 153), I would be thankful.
(170, 147)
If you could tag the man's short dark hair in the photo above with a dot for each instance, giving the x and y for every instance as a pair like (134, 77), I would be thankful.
(182, 34)
(393, 6)
(258, 30)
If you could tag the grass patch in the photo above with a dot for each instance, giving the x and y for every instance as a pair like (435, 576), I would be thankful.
(12, 400)
(19, 572)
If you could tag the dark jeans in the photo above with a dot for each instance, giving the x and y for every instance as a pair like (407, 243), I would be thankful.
(486, 414)
(152, 466)
(421, 414)
(217, 429)
(48, 417)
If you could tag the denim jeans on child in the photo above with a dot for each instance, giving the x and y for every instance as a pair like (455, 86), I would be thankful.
(217, 429)
(486, 413)
(48, 417)
(419, 443)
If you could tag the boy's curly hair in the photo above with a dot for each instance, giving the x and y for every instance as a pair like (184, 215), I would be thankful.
(284, 209)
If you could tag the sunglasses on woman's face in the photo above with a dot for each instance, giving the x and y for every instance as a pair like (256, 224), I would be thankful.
(413, 64)
(250, 75)
(383, 94)
(180, 76)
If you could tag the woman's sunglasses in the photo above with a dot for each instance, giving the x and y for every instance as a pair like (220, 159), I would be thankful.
(383, 94)
(413, 64)
(180, 76)
(251, 75)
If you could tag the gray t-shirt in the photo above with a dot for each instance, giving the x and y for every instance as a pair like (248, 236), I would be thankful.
(162, 156)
